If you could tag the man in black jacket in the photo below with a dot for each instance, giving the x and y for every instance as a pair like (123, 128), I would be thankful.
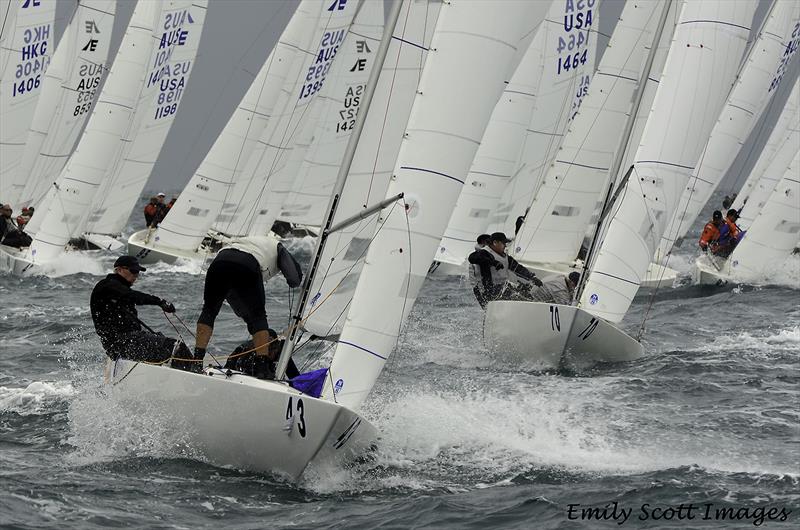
(496, 268)
(113, 305)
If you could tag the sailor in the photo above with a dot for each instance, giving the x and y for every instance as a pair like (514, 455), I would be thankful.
(151, 212)
(475, 270)
(237, 275)
(711, 231)
(561, 292)
(10, 234)
(244, 359)
(161, 209)
(496, 268)
(729, 235)
(24, 217)
(116, 321)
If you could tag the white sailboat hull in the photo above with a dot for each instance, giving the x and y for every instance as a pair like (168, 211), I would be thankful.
(17, 262)
(241, 421)
(542, 336)
(140, 244)
(708, 272)
(657, 276)
(103, 241)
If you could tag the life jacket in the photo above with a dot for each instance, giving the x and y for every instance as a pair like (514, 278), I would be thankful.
(710, 234)
(151, 209)
(475, 277)
(499, 276)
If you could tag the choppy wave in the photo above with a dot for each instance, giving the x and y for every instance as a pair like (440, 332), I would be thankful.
(35, 398)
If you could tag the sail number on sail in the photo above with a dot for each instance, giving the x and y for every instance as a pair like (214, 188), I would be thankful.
(171, 76)
(788, 53)
(317, 71)
(577, 20)
(33, 58)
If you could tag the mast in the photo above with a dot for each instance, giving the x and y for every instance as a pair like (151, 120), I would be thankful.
(341, 178)
(608, 202)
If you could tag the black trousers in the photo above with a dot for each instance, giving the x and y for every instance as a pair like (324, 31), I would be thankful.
(144, 346)
(235, 276)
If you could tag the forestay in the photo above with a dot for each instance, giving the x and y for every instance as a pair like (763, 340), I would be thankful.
(568, 62)
(300, 191)
(156, 112)
(146, 44)
(501, 147)
(701, 66)
(774, 232)
(752, 95)
(71, 83)
(786, 131)
(249, 211)
(575, 184)
(29, 42)
(475, 47)
(372, 166)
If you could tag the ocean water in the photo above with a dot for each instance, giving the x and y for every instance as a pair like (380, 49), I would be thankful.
(702, 432)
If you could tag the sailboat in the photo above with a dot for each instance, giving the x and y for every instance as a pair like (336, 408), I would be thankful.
(759, 75)
(221, 194)
(771, 236)
(28, 44)
(71, 84)
(547, 334)
(603, 132)
(153, 33)
(295, 427)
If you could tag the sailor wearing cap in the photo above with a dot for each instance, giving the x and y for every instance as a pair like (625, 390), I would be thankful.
(710, 231)
(729, 235)
(498, 269)
(116, 321)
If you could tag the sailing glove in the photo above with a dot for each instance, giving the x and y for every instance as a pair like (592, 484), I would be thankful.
(166, 306)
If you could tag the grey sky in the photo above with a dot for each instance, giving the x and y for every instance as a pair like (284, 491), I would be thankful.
(237, 39)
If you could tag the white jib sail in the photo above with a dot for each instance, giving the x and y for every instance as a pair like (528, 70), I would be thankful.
(72, 80)
(251, 208)
(700, 70)
(208, 196)
(501, 145)
(773, 234)
(8, 17)
(28, 46)
(568, 62)
(111, 122)
(300, 191)
(771, 173)
(752, 94)
(372, 166)
(460, 85)
(786, 130)
(157, 109)
(576, 183)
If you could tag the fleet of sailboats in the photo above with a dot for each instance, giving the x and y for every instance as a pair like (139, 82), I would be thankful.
(398, 137)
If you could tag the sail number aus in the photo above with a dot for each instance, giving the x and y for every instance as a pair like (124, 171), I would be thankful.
(301, 421)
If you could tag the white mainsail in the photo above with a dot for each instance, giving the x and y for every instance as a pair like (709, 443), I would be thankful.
(27, 48)
(156, 112)
(751, 96)
(773, 233)
(254, 206)
(576, 182)
(700, 70)
(71, 84)
(568, 62)
(501, 146)
(372, 166)
(460, 85)
(300, 190)
(147, 43)
(211, 194)
(771, 172)
(784, 135)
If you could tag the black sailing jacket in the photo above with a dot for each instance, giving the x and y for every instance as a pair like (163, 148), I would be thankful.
(113, 305)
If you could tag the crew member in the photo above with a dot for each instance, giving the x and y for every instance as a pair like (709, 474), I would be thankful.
(151, 212)
(711, 231)
(10, 234)
(24, 217)
(116, 321)
(475, 270)
(729, 235)
(237, 275)
(496, 268)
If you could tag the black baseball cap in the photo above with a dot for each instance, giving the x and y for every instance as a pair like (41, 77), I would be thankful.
(500, 236)
(717, 215)
(732, 212)
(483, 238)
(129, 262)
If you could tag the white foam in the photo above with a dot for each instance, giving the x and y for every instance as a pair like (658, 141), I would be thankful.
(86, 262)
(180, 266)
(34, 398)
